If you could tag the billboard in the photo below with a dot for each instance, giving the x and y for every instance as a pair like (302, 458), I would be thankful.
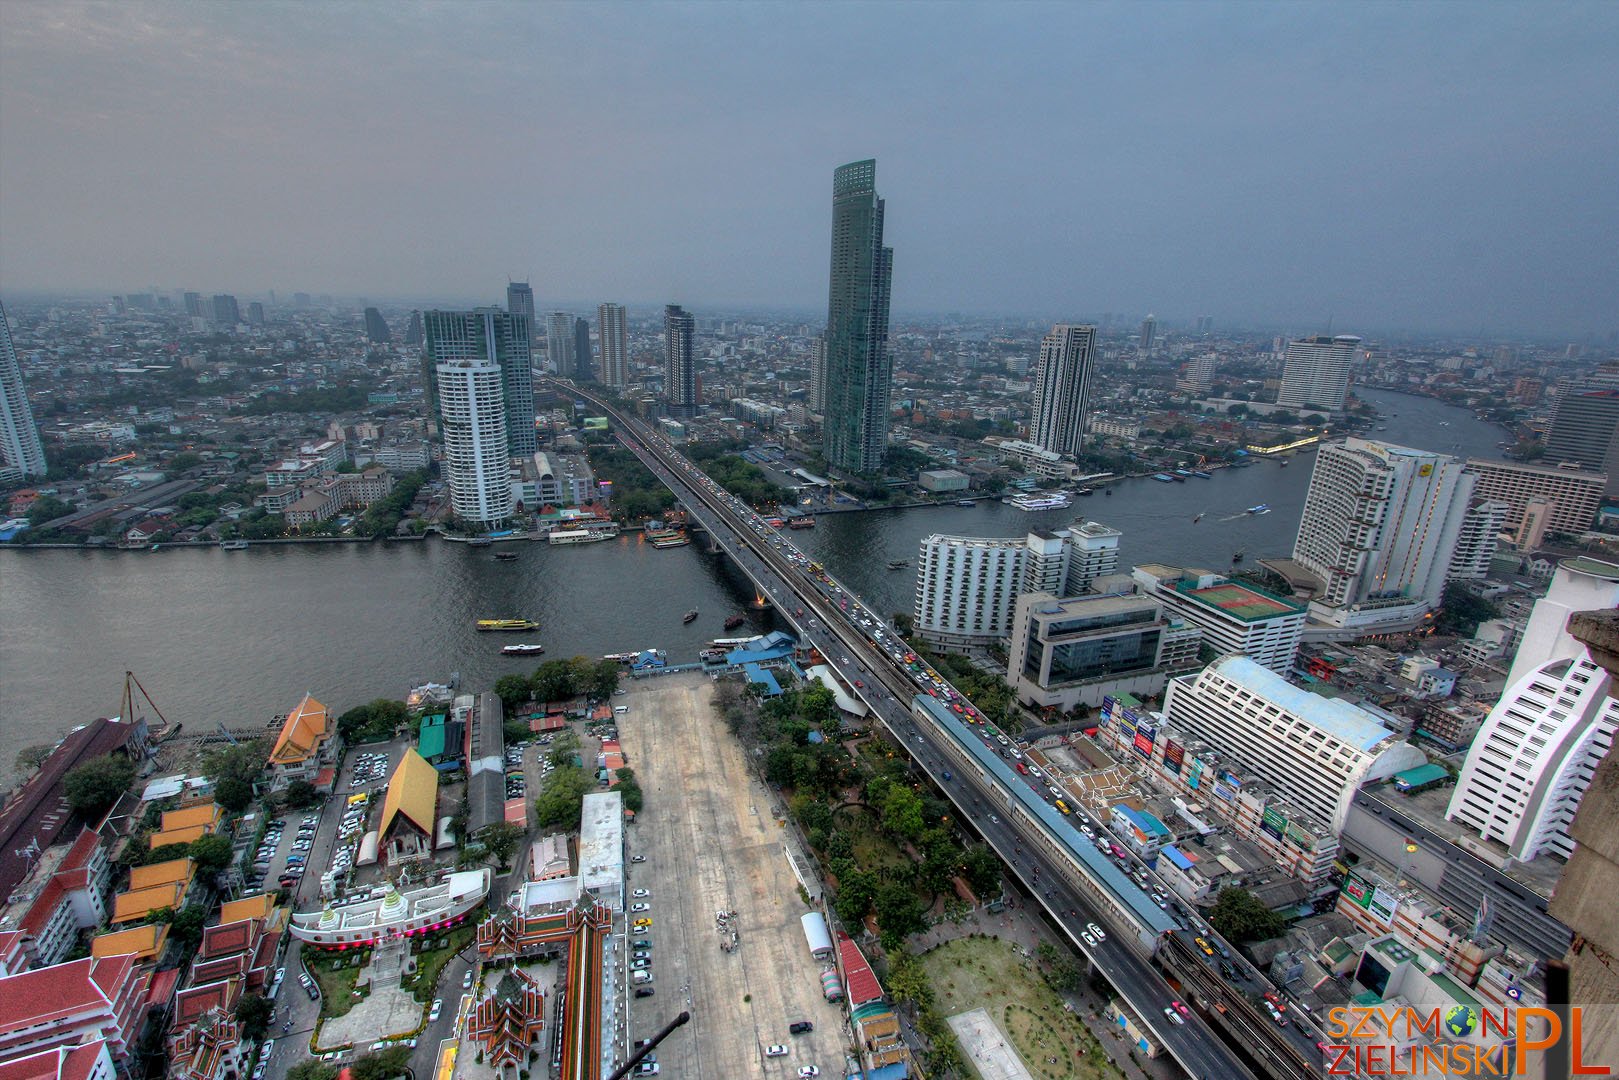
(1357, 890)
(1272, 822)
(1224, 792)
(1301, 837)
(1195, 774)
(1229, 779)
(1383, 904)
(1174, 756)
(1143, 743)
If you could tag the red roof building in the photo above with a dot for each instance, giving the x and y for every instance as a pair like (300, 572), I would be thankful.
(207, 1049)
(64, 895)
(89, 1061)
(508, 1022)
(64, 1005)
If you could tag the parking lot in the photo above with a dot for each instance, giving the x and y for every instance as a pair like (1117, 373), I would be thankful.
(710, 843)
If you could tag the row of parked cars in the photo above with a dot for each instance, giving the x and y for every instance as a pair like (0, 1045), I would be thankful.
(370, 767)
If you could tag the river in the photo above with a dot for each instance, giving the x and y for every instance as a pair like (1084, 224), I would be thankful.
(235, 637)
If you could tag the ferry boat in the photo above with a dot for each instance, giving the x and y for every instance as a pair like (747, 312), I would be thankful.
(505, 556)
(1086, 492)
(1054, 500)
(559, 537)
(734, 621)
(622, 657)
(522, 650)
(801, 523)
(725, 644)
(899, 564)
(1202, 475)
(964, 502)
(691, 616)
(507, 624)
(233, 545)
(677, 540)
(1179, 476)
(1163, 478)
(394, 914)
(1262, 508)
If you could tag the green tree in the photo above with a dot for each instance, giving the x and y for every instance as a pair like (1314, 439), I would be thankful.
(560, 799)
(604, 678)
(32, 757)
(93, 787)
(902, 812)
(1239, 916)
(312, 1069)
(47, 508)
(211, 853)
(386, 1065)
(234, 770)
(817, 705)
(856, 893)
(501, 838)
(253, 1013)
(513, 691)
(563, 748)
(1461, 610)
(185, 927)
(553, 681)
(982, 868)
(899, 912)
(630, 790)
(301, 794)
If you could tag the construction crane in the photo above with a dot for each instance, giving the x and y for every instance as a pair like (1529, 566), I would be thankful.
(126, 706)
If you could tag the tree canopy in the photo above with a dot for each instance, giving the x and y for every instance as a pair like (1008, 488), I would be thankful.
(1239, 916)
(93, 787)
(561, 798)
(372, 722)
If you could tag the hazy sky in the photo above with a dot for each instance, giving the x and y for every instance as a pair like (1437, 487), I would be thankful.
(1411, 165)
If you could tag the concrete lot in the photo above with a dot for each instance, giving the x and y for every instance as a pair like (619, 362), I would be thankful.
(711, 842)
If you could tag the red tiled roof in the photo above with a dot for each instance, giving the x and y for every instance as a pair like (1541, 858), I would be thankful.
(223, 967)
(79, 1061)
(196, 1000)
(59, 1063)
(162, 988)
(46, 994)
(44, 905)
(226, 939)
(78, 856)
(860, 985)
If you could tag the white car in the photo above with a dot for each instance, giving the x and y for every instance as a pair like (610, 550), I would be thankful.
(466, 980)
(437, 1010)
(1088, 939)
(776, 1050)
(1096, 931)
(638, 908)
(642, 893)
(1175, 1016)
(808, 1071)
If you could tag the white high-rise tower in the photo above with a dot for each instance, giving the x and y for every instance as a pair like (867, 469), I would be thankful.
(20, 447)
(1062, 386)
(472, 408)
(1316, 374)
(615, 352)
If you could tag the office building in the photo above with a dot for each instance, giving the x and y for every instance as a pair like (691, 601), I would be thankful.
(520, 301)
(193, 305)
(226, 312)
(255, 314)
(1315, 751)
(559, 343)
(859, 370)
(1572, 496)
(20, 448)
(1316, 372)
(376, 327)
(1234, 618)
(1149, 335)
(615, 350)
(1197, 374)
(1062, 386)
(1532, 761)
(967, 586)
(1077, 651)
(472, 410)
(1585, 431)
(489, 335)
(817, 376)
(1380, 526)
(679, 368)
(414, 334)
(584, 368)
(1476, 540)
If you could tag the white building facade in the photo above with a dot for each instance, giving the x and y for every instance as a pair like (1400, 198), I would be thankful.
(1062, 386)
(615, 350)
(472, 413)
(20, 447)
(1316, 372)
(1233, 618)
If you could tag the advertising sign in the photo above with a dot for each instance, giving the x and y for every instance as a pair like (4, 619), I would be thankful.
(1195, 774)
(1230, 779)
(1224, 792)
(1300, 837)
(1272, 822)
(1143, 743)
(1358, 891)
(1383, 905)
(1174, 756)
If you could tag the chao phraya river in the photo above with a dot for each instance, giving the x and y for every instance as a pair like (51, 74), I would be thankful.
(239, 636)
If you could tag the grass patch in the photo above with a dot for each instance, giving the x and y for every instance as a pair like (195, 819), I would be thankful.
(336, 988)
(872, 850)
(974, 973)
(430, 962)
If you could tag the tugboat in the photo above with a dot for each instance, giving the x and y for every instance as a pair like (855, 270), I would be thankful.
(1238, 555)
(691, 616)
(734, 621)
(505, 556)
(899, 564)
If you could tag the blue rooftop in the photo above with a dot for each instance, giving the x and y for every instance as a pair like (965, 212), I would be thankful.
(1173, 854)
(757, 674)
(773, 646)
(1142, 820)
(1345, 722)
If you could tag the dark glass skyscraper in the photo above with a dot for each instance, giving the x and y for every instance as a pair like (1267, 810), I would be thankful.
(376, 327)
(520, 301)
(858, 368)
(680, 373)
(583, 369)
(498, 337)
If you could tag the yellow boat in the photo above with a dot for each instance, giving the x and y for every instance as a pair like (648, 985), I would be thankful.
(508, 624)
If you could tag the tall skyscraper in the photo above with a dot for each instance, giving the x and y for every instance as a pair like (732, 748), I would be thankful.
(226, 312)
(376, 328)
(255, 314)
(413, 332)
(472, 412)
(193, 303)
(1585, 429)
(496, 337)
(1149, 335)
(559, 343)
(520, 301)
(20, 447)
(680, 372)
(615, 351)
(859, 371)
(1062, 388)
(583, 368)
(1316, 373)
(817, 375)
(1380, 529)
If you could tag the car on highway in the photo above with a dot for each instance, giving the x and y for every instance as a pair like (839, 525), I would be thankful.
(1096, 931)
(1088, 939)
(1208, 950)
(775, 1050)
(1180, 1007)
(1175, 1016)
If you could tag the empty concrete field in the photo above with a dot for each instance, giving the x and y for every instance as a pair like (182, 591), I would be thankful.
(712, 843)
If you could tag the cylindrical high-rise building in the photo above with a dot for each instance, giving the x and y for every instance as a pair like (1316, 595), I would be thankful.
(614, 346)
(472, 410)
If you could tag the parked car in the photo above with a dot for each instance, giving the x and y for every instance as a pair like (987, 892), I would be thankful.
(643, 991)
(799, 1027)
(775, 1050)
(437, 1010)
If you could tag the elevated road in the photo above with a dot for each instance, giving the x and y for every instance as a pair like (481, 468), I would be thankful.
(838, 626)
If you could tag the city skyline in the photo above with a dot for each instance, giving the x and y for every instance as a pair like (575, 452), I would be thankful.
(1389, 187)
